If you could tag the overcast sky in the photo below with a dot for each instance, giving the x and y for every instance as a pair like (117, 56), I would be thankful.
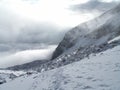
(36, 20)
(34, 24)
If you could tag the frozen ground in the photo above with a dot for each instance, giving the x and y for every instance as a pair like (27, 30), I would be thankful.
(8, 75)
(98, 72)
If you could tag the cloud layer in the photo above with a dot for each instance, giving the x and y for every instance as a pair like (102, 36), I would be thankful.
(95, 6)
(26, 56)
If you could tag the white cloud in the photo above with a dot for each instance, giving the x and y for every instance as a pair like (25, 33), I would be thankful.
(110, 0)
(40, 21)
(26, 56)
(52, 11)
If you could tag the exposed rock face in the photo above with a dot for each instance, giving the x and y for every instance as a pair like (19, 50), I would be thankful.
(68, 41)
(95, 32)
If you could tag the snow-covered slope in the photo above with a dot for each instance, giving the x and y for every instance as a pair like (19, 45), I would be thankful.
(98, 72)
(94, 32)
(8, 75)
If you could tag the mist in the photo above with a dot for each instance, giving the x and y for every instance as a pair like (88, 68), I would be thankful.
(25, 56)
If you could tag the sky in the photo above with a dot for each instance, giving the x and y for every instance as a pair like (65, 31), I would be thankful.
(33, 26)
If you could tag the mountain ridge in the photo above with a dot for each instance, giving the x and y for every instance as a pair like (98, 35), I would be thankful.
(94, 26)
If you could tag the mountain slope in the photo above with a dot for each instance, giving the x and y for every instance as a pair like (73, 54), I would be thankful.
(100, 72)
(95, 32)
(28, 66)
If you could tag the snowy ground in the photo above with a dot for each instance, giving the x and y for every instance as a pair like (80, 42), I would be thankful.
(8, 75)
(100, 72)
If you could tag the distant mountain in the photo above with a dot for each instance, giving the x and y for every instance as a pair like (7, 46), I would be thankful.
(28, 66)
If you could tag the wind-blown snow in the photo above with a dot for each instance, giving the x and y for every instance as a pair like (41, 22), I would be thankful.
(115, 39)
(100, 72)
